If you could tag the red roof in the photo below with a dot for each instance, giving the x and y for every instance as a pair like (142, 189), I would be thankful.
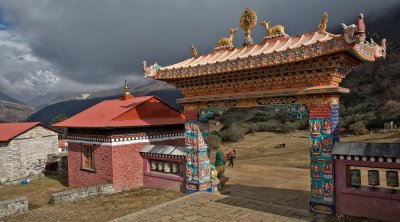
(63, 143)
(132, 112)
(8, 131)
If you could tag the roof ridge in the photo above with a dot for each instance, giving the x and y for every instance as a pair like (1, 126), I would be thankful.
(135, 106)
(29, 125)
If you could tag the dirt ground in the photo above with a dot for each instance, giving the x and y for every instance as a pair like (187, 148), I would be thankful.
(103, 208)
(279, 174)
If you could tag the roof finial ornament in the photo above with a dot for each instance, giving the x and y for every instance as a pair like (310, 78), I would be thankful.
(248, 21)
(127, 95)
(126, 89)
(194, 52)
(323, 24)
(361, 28)
(276, 31)
(226, 43)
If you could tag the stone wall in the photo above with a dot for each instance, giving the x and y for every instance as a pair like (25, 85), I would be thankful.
(3, 163)
(80, 194)
(25, 156)
(14, 206)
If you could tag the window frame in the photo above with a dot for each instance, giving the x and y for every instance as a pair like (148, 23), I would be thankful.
(92, 167)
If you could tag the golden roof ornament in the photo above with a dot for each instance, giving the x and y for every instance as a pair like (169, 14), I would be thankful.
(126, 89)
(248, 21)
(228, 41)
(194, 52)
(323, 24)
(276, 31)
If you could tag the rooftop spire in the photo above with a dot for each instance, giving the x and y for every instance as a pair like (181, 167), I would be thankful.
(127, 94)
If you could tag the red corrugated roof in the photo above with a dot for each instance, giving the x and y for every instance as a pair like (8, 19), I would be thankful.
(137, 111)
(8, 131)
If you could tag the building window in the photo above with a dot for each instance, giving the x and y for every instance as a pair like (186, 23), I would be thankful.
(87, 157)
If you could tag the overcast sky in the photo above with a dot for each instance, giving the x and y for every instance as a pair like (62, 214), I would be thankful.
(83, 45)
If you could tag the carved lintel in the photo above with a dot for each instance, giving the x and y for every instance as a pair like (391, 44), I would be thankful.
(323, 99)
(191, 107)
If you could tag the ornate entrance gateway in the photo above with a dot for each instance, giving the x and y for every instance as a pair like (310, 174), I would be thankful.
(291, 71)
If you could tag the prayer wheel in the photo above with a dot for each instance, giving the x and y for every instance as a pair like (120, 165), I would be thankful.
(153, 165)
(175, 168)
(373, 178)
(355, 177)
(392, 178)
(160, 166)
(167, 167)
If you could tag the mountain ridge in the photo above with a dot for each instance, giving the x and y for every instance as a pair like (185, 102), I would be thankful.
(13, 110)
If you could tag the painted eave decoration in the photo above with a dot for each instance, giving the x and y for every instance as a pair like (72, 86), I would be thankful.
(276, 49)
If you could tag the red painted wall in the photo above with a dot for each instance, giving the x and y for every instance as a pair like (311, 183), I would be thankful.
(82, 178)
(165, 181)
(363, 202)
(121, 165)
(127, 166)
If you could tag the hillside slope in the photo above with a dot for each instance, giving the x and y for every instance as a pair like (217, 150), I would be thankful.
(12, 110)
(375, 87)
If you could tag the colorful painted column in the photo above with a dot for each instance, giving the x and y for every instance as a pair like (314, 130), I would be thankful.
(324, 132)
(197, 157)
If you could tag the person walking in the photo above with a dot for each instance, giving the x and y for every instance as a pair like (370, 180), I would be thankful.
(231, 156)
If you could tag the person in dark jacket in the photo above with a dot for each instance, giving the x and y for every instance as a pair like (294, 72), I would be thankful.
(231, 157)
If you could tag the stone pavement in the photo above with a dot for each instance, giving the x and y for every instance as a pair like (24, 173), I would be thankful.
(214, 207)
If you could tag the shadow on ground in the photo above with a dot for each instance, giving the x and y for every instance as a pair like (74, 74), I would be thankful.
(62, 179)
(284, 202)
(297, 199)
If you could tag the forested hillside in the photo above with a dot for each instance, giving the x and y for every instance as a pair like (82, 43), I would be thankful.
(375, 87)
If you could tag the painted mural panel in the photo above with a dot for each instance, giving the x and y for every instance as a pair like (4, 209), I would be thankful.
(321, 172)
(197, 159)
(296, 111)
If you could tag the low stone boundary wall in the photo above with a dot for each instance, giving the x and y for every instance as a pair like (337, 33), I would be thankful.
(13, 206)
(80, 194)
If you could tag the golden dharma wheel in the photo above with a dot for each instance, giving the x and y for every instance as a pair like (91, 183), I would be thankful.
(248, 20)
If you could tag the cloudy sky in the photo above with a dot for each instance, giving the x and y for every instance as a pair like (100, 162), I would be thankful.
(85, 45)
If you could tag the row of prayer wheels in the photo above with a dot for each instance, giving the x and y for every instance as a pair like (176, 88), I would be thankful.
(165, 167)
(392, 178)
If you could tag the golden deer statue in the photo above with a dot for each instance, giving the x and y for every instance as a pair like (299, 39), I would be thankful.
(229, 40)
(274, 30)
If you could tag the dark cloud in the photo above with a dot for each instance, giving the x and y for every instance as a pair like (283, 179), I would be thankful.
(103, 42)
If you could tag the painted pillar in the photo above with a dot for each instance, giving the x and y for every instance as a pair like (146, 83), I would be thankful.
(197, 158)
(324, 132)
